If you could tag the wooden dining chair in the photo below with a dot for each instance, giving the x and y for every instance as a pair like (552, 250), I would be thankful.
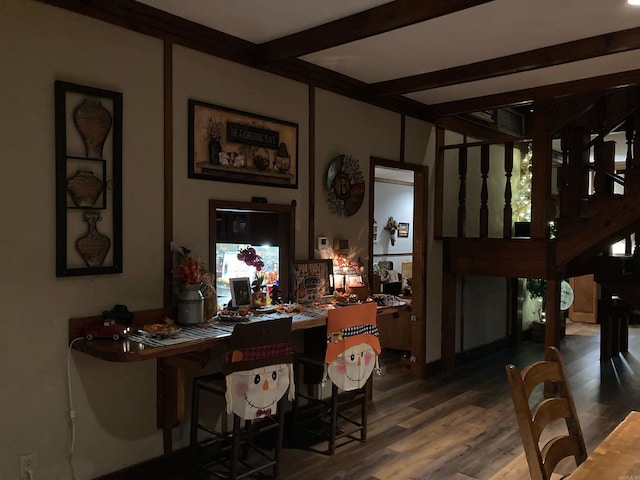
(348, 358)
(536, 411)
(257, 373)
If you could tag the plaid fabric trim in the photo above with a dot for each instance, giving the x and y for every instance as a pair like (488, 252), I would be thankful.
(258, 353)
(352, 331)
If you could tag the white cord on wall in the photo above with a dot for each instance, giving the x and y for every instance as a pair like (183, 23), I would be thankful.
(72, 412)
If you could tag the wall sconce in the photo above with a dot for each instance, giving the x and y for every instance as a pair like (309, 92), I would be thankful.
(283, 160)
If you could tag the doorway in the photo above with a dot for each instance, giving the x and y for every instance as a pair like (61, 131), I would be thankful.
(397, 251)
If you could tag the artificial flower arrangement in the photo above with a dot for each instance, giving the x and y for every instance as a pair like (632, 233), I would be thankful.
(251, 258)
(191, 270)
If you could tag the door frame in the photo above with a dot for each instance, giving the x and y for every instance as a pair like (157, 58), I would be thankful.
(419, 252)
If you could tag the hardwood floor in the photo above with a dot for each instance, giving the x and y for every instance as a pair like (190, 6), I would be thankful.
(460, 426)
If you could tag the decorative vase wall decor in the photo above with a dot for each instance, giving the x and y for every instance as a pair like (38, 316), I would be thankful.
(88, 124)
(345, 185)
(93, 246)
(84, 188)
(93, 121)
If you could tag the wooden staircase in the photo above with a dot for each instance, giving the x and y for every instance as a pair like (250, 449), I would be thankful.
(569, 234)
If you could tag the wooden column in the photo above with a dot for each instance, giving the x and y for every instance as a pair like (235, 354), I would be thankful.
(541, 171)
(604, 163)
(553, 329)
(438, 193)
(448, 328)
(462, 192)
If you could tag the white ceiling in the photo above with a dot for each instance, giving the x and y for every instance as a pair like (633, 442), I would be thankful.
(490, 30)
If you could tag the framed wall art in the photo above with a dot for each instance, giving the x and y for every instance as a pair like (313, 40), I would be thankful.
(403, 229)
(311, 279)
(233, 146)
(240, 291)
(88, 130)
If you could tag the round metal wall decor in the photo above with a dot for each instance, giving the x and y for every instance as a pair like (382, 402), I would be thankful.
(345, 185)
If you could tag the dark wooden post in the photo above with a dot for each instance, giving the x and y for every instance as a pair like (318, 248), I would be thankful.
(604, 317)
(604, 155)
(541, 171)
(462, 192)
(438, 193)
(484, 194)
(553, 329)
(507, 216)
(577, 174)
(448, 327)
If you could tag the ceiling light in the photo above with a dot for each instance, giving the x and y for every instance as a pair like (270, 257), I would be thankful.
(633, 2)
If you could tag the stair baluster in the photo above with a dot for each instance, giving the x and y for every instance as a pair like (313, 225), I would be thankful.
(507, 216)
(484, 194)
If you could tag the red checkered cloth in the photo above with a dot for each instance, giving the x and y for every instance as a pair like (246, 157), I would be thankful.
(258, 353)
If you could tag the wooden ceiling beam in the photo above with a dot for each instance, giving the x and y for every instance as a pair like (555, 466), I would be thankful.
(376, 20)
(607, 44)
(529, 95)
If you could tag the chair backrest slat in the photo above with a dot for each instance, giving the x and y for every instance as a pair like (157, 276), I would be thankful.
(532, 420)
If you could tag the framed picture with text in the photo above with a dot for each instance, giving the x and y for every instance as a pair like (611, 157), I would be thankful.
(310, 280)
(233, 146)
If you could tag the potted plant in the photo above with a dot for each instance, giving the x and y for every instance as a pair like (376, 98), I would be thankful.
(537, 288)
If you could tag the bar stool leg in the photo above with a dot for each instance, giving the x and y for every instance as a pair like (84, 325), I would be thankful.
(235, 448)
(333, 425)
(365, 409)
(278, 449)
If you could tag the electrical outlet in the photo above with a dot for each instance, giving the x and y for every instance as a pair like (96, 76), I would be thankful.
(27, 462)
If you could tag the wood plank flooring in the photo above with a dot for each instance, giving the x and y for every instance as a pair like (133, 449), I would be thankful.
(461, 426)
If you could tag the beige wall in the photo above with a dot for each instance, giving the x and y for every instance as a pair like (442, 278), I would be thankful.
(346, 126)
(219, 82)
(115, 403)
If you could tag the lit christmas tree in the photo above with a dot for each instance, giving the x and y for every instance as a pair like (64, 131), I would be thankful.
(522, 210)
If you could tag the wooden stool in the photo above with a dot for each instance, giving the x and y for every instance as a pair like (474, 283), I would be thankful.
(257, 373)
(351, 336)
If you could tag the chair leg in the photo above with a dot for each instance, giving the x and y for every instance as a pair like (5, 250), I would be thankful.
(279, 440)
(333, 425)
(365, 410)
(235, 448)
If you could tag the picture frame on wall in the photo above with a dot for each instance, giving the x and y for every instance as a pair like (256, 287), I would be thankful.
(403, 229)
(240, 291)
(311, 280)
(233, 146)
(88, 143)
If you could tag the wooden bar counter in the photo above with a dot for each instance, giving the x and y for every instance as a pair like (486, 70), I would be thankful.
(173, 360)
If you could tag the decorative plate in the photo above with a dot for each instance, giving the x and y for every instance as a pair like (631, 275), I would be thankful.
(233, 316)
(160, 332)
(345, 185)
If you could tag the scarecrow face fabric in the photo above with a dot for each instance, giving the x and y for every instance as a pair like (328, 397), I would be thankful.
(255, 393)
(352, 345)
(258, 368)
